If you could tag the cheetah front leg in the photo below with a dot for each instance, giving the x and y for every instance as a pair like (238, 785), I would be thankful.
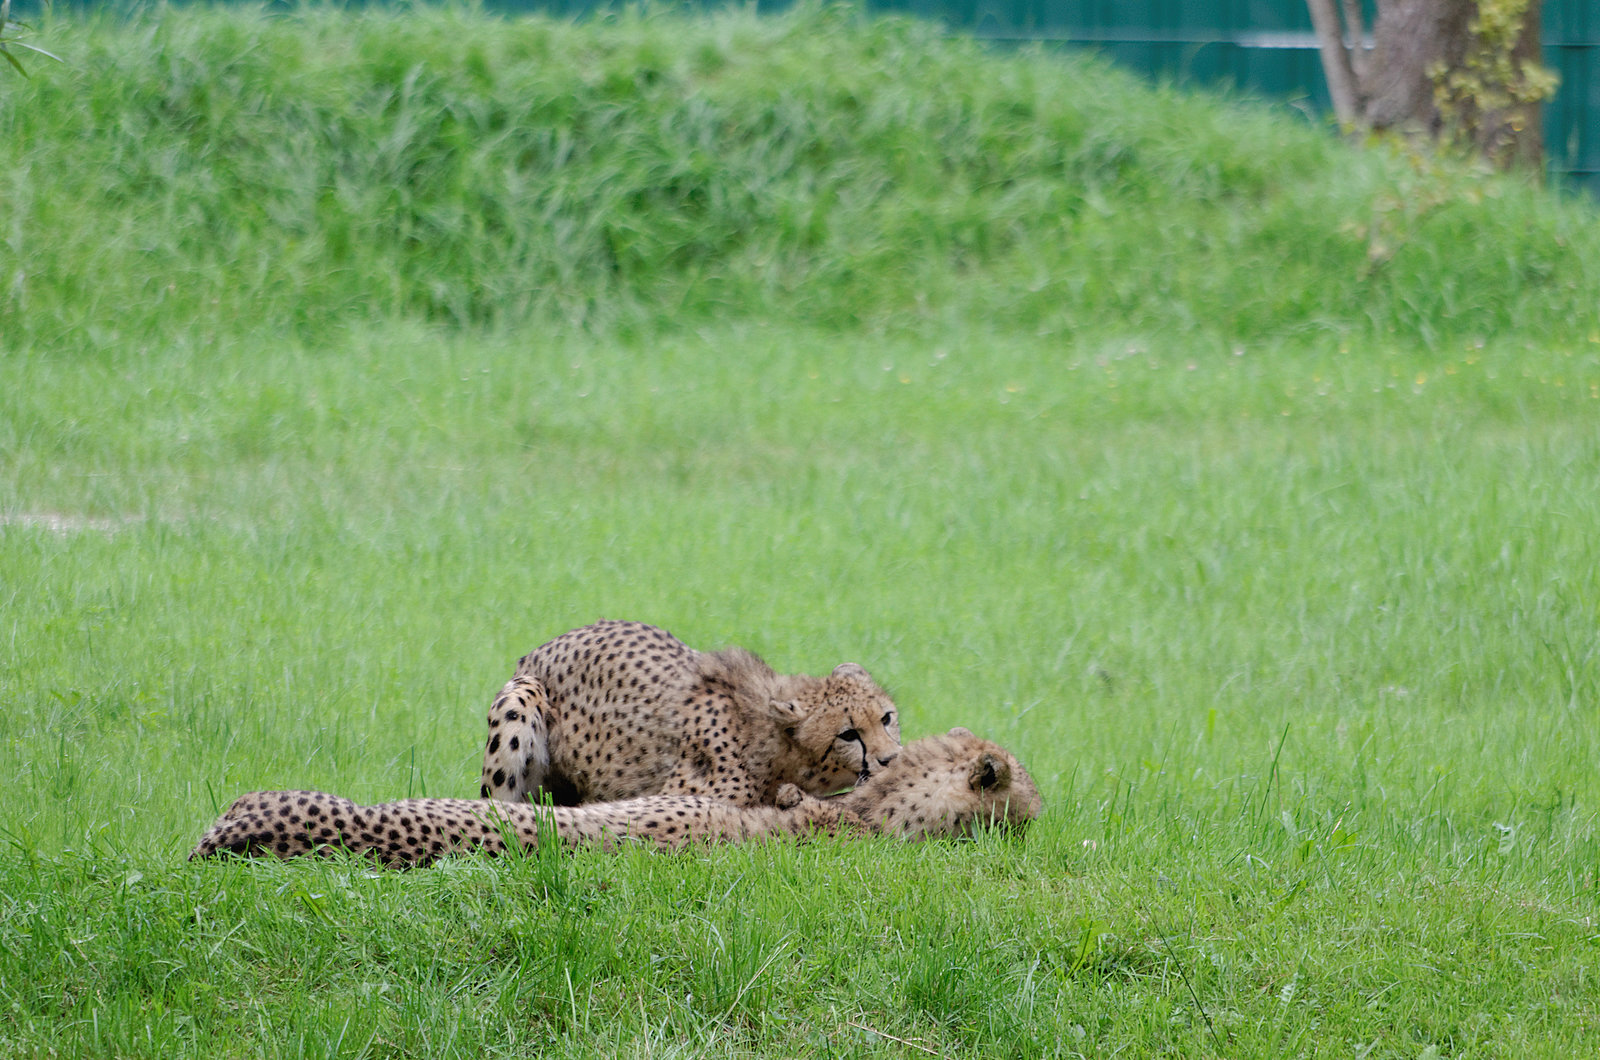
(806, 813)
(517, 758)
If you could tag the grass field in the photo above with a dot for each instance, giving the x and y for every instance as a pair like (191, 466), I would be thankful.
(1242, 483)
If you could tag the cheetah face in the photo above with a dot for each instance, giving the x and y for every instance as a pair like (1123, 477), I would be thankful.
(852, 752)
(849, 729)
(948, 786)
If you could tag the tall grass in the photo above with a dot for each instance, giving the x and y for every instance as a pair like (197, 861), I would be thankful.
(322, 167)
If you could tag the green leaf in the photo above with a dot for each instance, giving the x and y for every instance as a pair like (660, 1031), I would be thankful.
(12, 59)
(34, 48)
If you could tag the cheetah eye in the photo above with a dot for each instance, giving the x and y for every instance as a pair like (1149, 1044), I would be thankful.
(849, 735)
(887, 718)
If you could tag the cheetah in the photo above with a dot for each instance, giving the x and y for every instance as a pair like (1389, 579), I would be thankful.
(939, 786)
(418, 831)
(619, 710)
(946, 786)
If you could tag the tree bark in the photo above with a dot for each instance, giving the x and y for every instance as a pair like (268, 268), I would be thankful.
(1393, 85)
(1336, 60)
(1408, 39)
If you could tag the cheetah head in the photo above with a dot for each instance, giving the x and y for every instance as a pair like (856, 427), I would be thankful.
(826, 733)
(947, 786)
(841, 729)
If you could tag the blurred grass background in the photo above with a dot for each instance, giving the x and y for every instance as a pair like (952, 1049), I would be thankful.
(230, 169)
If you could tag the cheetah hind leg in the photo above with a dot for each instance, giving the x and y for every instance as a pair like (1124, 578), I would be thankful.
(517, 757)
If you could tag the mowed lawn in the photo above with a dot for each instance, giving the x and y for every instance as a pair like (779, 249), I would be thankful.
(1298, 631)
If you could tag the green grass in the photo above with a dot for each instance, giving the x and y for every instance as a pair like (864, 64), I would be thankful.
(1276, 565)
(227, 168)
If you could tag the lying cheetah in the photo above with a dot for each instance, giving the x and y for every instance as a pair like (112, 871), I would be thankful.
(946, 786)
(940, 786)
(618, 710)
(417, 831)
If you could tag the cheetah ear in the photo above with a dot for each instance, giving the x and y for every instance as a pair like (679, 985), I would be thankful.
(989, 771)
(787, 712)
(851, 670)
(959, 731)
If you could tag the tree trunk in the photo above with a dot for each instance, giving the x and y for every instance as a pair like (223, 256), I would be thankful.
(1337, 61)
(1409, 38)
(1415, 45)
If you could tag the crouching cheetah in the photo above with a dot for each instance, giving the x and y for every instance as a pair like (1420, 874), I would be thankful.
(940, 786)
(618, 710)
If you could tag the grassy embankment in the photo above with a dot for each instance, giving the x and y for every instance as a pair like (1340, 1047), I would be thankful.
(1243, 483)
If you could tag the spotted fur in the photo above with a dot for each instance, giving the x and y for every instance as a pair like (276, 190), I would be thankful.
(941, 786)
(946, 786)
(619, 710)
(417, 831)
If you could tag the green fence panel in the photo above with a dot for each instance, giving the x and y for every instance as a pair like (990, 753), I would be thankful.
(1572, 120)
